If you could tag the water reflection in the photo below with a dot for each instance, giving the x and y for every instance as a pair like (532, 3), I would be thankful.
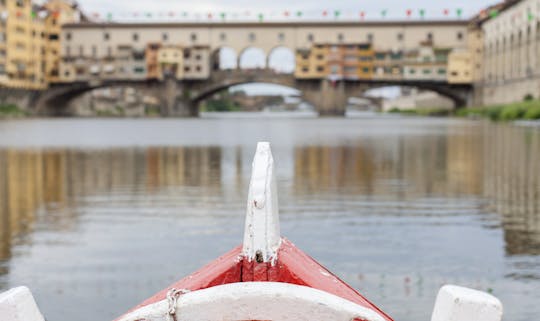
(411, 188)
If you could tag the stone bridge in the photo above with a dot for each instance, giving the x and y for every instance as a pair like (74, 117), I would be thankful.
(182, 98)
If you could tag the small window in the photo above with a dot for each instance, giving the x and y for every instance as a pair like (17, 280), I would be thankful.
(68, 36)
(305, 69)
(320, 68)
(193, 37)
(165, 36)
(370, 37)
(135, 37)
(198, 68)
(460, 35)
(81, 51)
(222, 36)
(198, 57)
(340, 37)
(281, 36)
(106, 36)
(310, 37)
(430, 36)
(94, 51)
(187, 69)
(251, 37)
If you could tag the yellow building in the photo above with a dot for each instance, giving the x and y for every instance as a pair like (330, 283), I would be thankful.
(170, 61)
(312, 63)
(366, 57)
(18, 52)
(460, 67)
(29, 46)
(59, 12)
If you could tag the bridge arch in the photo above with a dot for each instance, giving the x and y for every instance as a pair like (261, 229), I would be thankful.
(252, 58)
(281, 59)
(458, 94)
(224, 58)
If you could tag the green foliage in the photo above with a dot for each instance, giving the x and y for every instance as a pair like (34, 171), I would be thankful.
(11, 110)
(533, 113)
(528, 97)
(220, 105)
(420, 111)
(529, 109)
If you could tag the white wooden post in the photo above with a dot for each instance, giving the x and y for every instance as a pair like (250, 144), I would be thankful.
(18, 304)
(455, 303)
(262, 236)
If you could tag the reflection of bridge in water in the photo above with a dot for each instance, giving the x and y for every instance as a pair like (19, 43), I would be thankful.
(182, 98)
(497, 165)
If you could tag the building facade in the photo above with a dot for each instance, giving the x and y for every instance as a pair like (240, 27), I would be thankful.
(341, 50)
(511, 70)
(27, 36)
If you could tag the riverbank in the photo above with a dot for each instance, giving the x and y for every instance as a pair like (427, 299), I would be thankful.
(524, 111)
(11, 111)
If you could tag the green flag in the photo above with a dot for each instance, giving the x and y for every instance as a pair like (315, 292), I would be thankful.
(261, 17)
(459, 12)
(109, 16)
(493, 13)
(422, 13)
(34, 14)
(337, 13)
(383, 13)
(223, 15)
(299, 13)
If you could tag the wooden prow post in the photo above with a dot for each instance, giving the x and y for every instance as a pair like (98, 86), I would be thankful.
(262, 236)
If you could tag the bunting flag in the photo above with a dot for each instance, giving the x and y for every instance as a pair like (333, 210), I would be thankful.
(209, 15)
(325, 13)
(337, 13)
(383, 13)
(171, 14)
(459, 12)
(530, 16)
(261, 17)
(493, 13)
(223, 15)
(299, 13)
(422, 13)
(446, 12)
(34, 15)
(409, 13)
(362, 15)
(286, 13)
(185, 14)
(109, 16)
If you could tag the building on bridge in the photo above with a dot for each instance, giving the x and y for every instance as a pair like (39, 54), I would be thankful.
(338, 50)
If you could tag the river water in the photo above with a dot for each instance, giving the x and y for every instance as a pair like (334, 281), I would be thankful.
(97, 215)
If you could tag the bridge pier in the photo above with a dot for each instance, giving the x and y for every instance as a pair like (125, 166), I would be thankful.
(328, 97)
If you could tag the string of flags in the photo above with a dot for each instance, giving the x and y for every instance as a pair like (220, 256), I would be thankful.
(286, 14)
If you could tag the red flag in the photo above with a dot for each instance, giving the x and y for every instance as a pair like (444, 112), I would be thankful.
(362, 14)
(286, 13)
(209, 16)
(325, 13)
(409, 12)
(446, 12)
